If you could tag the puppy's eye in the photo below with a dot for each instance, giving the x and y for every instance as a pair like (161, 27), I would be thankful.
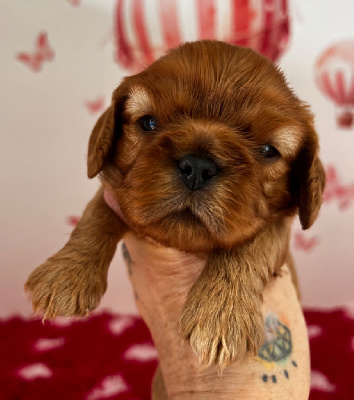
(148, 123)
(269, 151)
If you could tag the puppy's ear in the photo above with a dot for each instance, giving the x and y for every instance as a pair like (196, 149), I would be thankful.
(311, 190)
(100, 143)
(310, 179)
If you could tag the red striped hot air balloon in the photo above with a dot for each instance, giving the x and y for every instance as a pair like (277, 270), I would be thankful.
(145, 29)
(334, 76)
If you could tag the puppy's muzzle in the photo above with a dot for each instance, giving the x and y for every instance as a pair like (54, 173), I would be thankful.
(196, 172)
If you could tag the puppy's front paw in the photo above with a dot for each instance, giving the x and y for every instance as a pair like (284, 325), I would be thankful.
(63, 286)
(221, 334)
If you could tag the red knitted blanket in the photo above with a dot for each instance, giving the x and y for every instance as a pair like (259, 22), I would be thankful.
(110, 356)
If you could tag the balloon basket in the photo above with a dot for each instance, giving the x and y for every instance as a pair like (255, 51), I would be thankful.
(345, 119)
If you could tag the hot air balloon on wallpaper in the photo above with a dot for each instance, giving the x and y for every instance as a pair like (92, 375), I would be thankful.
(145, 29)
(334, 76)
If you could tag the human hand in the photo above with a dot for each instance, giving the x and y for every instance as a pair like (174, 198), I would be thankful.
(161, 279)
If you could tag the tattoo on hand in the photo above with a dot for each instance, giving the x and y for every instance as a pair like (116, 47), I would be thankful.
(276, 350)
(127, 258)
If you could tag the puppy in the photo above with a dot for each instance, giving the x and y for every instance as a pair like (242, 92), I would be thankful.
(207, 150)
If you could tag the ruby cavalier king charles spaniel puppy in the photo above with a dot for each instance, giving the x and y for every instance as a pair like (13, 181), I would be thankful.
(206, 151)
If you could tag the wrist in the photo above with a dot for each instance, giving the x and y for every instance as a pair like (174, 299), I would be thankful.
(162, 279)
(269, 375)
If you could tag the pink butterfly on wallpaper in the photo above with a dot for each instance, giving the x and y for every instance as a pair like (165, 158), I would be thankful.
(74, 3)
(73, 220)
(95, 106)
(335, 190)
(303, 243)
(43, 52)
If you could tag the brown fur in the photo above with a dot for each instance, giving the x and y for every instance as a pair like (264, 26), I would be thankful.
(211, 100)
(72, 281)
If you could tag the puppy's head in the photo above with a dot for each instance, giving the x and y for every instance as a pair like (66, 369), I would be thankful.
(207, 146)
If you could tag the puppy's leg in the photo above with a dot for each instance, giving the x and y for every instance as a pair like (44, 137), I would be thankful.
(222, 317)
(72, 281)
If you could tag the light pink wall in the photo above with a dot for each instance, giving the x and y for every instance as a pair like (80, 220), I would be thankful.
(45, 122)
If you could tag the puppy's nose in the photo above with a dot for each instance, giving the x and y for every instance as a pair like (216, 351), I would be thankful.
(196, 172)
